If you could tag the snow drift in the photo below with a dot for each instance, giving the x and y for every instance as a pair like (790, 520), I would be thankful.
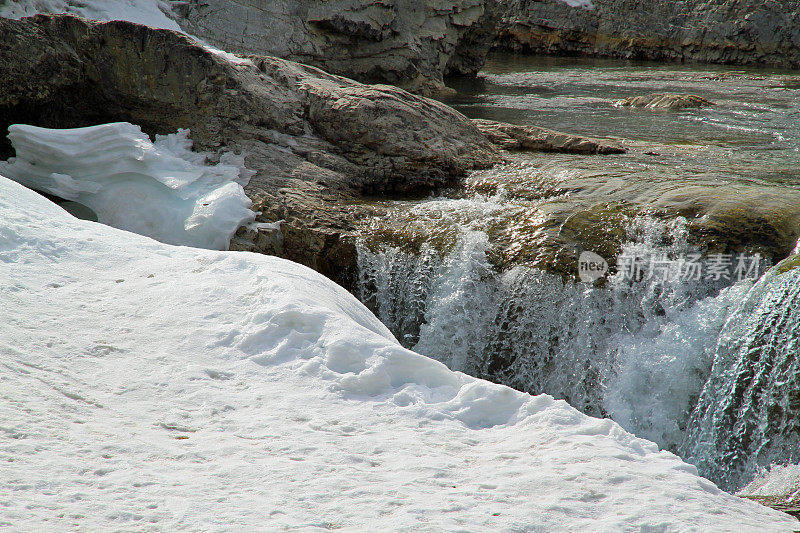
(777, 481)
(146, 386)
(162, 190)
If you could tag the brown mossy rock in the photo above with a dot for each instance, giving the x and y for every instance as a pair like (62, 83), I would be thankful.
(546, 219)
(790, 263)
(591, 214)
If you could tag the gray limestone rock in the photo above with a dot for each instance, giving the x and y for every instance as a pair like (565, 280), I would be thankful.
(715, 31)
(410, 43)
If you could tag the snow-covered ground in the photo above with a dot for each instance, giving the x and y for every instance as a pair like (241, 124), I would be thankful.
(162, 190)
(152, 387)
(779, 481)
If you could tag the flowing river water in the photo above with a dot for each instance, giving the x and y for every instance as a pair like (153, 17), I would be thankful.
(702, 361)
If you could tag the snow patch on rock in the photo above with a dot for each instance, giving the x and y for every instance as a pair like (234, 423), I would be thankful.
(153, 13)
(585, 4)
(162, 190)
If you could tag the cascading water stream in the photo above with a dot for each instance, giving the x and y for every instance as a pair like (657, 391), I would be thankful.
(660, 356)
(703, 367)
(748, 415)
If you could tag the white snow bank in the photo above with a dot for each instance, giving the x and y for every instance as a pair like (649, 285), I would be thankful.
(782, 481)
(153, 13)
(151, 387)
(162, 190)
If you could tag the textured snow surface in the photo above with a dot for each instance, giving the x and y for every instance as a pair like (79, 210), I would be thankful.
(779, 480)
(151, 387)
(162, 190)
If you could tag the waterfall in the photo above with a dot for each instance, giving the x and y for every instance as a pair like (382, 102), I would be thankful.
(748, 415)
(657, 355)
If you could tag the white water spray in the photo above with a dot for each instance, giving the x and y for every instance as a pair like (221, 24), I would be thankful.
(640, 352)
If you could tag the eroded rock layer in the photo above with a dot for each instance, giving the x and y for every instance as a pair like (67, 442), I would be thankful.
(716, 31)
(404, 42)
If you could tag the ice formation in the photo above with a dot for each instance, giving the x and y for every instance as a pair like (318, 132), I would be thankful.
(162, 190)
(147, 386)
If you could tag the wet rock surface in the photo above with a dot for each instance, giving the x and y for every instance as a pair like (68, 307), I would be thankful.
(515, 137)
(791, 507)
(538, 217)
(405, 42)
(716, 31)
(665, 101)
(317, 142)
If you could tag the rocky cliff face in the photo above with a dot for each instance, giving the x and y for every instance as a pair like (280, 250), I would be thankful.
(410, 43)
(316, 141)
(717, 31)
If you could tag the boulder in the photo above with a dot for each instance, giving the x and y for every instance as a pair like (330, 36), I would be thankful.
(665, 101)
(409, 43)
(316, 141)
(515, 137)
